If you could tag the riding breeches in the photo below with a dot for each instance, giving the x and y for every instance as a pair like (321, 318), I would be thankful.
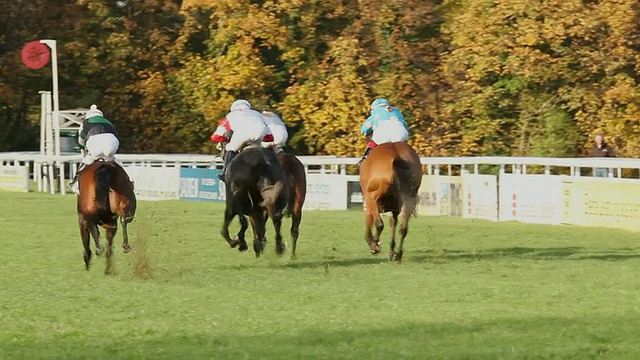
(280, 136)
(101, 146)
(246, 136)
(389, 131)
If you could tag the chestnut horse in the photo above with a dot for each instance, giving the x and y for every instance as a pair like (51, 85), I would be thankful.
(390, 178)
(106, 194)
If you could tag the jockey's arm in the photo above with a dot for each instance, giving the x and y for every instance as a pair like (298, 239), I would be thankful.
(367, 127)
(222, 131)
(82, 137)
(401, 118)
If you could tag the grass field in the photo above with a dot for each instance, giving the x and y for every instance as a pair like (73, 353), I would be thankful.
(466, 290)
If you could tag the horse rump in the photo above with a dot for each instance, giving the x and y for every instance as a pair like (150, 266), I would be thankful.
(407, 184)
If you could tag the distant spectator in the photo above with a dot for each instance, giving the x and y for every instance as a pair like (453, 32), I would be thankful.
(601, 149)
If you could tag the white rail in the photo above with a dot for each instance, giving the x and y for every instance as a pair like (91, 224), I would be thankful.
(45, 167)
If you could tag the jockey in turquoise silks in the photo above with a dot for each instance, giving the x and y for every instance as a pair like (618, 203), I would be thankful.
(385, 124)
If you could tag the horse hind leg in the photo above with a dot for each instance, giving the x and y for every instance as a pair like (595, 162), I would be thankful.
(404, 229)
(112, 228)
(228, 217)
(84, 234)
(277, 225)
(296, 218)
(373, 217)
(392, 223)
(95, 233)
(257, 223)
(126, 247)
(240, 238)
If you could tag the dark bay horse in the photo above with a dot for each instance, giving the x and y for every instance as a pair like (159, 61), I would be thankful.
(254, 183)
(106, 194)
(297, 188)
(390, 178)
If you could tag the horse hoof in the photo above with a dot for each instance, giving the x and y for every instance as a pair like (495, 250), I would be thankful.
(98, 251)
(126, 248)
(243, 247)
(375, 251)
(257, 255)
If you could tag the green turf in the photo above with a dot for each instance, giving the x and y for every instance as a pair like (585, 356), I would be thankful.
(467, 290)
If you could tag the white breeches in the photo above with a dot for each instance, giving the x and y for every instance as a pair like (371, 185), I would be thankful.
(246, 135)
(280, 136)
(101, 146)
(389, 131)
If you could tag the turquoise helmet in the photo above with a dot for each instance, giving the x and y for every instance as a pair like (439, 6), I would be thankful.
(379, 102)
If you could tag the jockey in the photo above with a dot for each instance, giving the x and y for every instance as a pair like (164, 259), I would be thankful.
(99, 138)
(385, 124)
(278, 130)
(247, 126)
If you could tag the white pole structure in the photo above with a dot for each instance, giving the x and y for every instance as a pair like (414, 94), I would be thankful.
(49, 145)
(43, 138)
(56, 106)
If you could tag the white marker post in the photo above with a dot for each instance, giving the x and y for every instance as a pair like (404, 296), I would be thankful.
(56, 107)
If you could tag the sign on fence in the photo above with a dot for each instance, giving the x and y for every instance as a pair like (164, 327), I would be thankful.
(531, 198)
(613, 203)
(201, 184)
(440, 195)
(155, 183)
(326, 192)
(480, 196)
(14, 178)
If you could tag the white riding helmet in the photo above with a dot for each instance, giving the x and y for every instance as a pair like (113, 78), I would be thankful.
(93, 111)
(240, 104)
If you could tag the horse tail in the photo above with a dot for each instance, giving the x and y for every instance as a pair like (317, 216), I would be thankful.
(103, 177)
(270, 193)
(407, 186)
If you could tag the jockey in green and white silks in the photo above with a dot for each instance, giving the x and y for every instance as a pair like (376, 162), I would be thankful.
(385, 124)
(99, 138)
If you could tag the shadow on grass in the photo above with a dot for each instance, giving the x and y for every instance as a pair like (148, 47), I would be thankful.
(529, 253)
(371, 260)
(444, 255)
(540, 337)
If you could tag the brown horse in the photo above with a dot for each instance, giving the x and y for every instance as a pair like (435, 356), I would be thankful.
(390, 178)
(297, 185)
(106, 194)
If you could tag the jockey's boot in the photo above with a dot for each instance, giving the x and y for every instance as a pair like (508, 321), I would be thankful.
(74, 183)
(366, 153)
(228, 156)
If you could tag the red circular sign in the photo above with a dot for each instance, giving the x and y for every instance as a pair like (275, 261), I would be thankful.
(35, 54)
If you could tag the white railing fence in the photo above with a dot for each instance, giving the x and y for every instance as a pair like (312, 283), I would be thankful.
(44, 169)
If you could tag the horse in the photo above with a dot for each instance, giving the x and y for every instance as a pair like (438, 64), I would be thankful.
(390, 178)
(297, 188)
(254, 182)
(106, 195)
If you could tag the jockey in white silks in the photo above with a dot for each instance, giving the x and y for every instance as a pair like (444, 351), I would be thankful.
(385, 124)
(247, 127)
(99, 138)
(278, 130)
